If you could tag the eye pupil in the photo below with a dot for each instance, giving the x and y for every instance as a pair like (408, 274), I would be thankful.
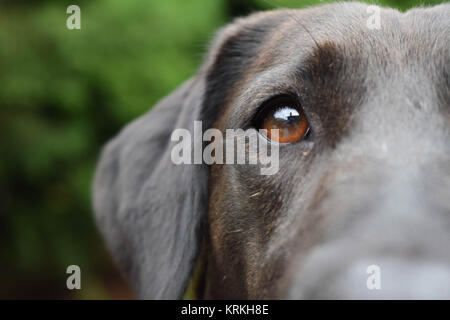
(286, 116)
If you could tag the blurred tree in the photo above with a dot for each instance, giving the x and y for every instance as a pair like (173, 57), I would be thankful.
(63, 94)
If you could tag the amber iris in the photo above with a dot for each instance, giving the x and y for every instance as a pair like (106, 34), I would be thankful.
(288, 118)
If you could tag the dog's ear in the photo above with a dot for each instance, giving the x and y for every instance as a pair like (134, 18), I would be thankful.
(148, 209)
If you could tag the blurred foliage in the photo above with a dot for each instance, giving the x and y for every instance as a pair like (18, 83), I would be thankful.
(63, 93)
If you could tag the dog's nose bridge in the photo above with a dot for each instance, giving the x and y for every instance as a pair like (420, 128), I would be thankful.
(400, 120)
(401, 215)
(377, 185)
(374, 189)
(401, 145)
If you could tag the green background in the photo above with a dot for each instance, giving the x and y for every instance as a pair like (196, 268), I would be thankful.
(64, 93)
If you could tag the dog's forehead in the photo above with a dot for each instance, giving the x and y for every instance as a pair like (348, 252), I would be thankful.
(337, 41)
(400, 41)
(357, 25)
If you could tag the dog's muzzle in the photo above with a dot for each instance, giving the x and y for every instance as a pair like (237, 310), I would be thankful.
(385, 235)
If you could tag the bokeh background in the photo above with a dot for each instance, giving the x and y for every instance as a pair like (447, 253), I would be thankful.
(63, 94)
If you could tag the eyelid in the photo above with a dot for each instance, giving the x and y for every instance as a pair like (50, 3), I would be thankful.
(258, 112)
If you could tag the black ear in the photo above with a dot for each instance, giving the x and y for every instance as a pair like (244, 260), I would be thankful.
(149, 209)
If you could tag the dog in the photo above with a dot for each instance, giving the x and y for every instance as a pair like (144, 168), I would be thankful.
(360, 206)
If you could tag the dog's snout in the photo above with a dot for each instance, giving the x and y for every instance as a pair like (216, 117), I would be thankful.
(377, 278)
(384, 236)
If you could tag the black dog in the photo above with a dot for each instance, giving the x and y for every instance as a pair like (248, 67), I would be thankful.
(364, 164)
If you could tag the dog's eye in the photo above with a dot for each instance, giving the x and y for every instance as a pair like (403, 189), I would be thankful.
(286, 115)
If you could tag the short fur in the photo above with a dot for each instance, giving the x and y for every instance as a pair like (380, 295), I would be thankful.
(370, 184)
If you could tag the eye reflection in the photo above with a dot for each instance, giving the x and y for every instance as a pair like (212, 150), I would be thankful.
(287, 114)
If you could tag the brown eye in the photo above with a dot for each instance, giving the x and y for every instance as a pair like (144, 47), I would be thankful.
(285, 115)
